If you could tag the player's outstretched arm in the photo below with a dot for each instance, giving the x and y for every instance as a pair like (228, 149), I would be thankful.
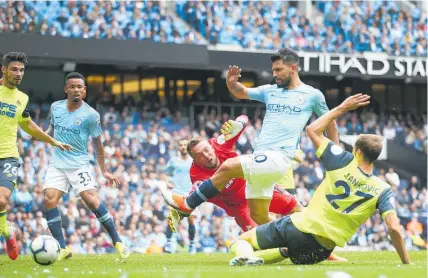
(99, 148)
(35, 131)
(393, 224)
(316, 129)
(235, 87)
(332, 132)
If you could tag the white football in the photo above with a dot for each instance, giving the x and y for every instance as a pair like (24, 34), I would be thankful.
(45, 250)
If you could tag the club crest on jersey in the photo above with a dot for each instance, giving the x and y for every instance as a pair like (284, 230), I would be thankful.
(336, 150)
(77, 121)
(300, 99)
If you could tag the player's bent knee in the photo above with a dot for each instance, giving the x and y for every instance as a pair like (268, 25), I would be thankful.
(250, 237)
(3, 202)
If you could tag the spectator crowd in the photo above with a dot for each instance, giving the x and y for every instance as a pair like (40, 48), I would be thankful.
(138, 146)
(335, 26)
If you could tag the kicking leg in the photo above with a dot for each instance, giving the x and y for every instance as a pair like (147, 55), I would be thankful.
(52, 214)
(91, 200)
(231, 168)
(53, 218)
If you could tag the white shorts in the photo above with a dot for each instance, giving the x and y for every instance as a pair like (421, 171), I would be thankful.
(261, 171)
(80, 179)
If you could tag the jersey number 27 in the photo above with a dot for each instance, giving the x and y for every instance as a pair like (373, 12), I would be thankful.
(333, 197)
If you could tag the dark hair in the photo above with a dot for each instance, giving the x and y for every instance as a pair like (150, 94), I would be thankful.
(370, 145)
(74, 75)
(286, 55)
(14, 57)
(193, 142)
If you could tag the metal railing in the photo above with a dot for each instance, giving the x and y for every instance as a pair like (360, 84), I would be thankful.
(233, 109)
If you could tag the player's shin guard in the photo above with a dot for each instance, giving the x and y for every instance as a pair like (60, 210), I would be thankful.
(202, 193)
(55, 225)
(106, 220)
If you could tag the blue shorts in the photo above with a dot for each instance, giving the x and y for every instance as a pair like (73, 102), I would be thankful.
(302, 247)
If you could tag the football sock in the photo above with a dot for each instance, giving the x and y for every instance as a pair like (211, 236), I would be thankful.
(192, 232)
(202, 193)
(3, 225)
(55, 225)
(106, 220)
(168, 234)
(271, 256)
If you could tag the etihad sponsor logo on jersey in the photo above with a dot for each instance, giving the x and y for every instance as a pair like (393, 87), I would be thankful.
(283, 108)
(361, 185)
(66, 129)
(8, 110)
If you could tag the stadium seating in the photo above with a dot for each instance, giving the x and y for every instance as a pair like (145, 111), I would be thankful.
(340, 26)
(142, 20)
(138, 154)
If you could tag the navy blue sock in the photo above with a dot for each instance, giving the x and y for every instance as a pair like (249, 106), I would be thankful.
(168, 233)
(55, 225)
(105, 219)
(192, 232)
(202, 193)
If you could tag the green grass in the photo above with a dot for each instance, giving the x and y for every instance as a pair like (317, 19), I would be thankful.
(362, 264)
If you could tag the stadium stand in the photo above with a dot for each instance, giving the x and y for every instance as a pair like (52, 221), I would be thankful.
(143, 20)
(340, 26)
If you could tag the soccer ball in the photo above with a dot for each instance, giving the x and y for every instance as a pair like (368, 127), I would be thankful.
(45, 250)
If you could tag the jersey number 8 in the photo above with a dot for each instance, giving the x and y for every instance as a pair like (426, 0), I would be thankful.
(332, 197)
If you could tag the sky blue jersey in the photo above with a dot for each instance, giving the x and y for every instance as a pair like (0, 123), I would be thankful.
(178, 169)
(73, 128)
(287, 112)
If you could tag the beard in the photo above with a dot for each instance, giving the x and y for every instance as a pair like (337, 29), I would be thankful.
(12, 80)
(286, 82)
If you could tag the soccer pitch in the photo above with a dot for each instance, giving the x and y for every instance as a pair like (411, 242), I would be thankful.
(362, 264)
